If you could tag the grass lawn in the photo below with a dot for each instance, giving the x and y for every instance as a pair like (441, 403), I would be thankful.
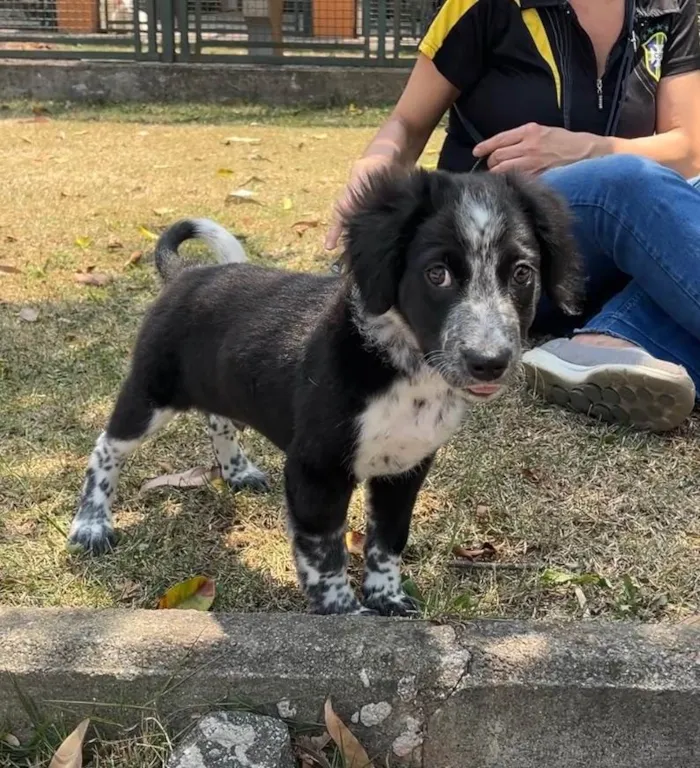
(81, 188)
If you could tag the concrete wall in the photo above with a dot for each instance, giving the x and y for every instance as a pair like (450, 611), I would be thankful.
(117, 82)
(500, 694)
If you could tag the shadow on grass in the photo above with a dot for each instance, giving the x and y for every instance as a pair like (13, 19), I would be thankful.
(59, 377)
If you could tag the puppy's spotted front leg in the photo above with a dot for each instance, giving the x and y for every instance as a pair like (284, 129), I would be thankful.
(317, 505)
(236, 469)
(390, 502)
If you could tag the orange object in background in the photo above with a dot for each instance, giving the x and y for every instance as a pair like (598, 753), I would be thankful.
(77, 16)
(335, 18)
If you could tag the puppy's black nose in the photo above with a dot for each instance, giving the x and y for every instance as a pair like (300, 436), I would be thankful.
(486, 367)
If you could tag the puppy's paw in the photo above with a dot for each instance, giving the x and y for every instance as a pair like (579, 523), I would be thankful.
(386, 604)
(344, 605)
(94, 537)
(251, 479)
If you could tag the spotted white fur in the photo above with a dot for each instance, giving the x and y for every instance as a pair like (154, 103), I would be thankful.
(331, 589)
(406, 424)
(236, 469)
(92, 525)
(384, 581)
(480, 222)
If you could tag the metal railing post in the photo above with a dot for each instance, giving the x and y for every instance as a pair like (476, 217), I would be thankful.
(167, 26)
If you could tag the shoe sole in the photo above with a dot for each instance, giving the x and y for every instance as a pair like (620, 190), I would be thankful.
(631, 395)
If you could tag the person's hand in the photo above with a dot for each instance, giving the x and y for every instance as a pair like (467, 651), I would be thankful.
(360, 171)
(533, 148)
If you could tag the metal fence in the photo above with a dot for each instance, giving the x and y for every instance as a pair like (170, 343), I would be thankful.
(328, 32)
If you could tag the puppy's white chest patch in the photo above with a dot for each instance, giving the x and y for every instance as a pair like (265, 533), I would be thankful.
(407, 423)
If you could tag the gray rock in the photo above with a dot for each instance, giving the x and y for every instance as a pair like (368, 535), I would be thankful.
(235, 740)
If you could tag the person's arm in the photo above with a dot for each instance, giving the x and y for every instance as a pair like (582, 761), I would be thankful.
(676, 143)
(448, 63)
(402, 138)
(425, 99)
(677, 140)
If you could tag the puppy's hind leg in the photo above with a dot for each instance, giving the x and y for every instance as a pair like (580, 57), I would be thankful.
(132, 421)
(236, 468)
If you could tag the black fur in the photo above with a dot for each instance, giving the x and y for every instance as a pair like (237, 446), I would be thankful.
(301, 358)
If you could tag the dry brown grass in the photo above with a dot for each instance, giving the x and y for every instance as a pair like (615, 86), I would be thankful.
(545, 487)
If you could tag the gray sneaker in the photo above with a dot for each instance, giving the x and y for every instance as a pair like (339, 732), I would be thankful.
(620, 385)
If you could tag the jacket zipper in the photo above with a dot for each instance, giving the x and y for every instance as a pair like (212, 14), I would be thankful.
(599, 91)
(565, 95)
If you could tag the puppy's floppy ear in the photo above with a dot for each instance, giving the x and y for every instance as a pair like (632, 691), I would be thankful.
(387, 211)
(552, 224)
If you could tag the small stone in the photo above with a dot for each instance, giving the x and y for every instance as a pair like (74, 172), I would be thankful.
(286, 709)
(410, 740)
(364, 677)
(373, 714)
(407, 688)
(235, 740)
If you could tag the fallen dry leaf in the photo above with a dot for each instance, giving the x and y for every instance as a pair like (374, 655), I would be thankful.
(195, 594)
(239, 196)
(130, 590)
(162, 211)
(83, 242)
(320, 136)
(147, 233)
(224, 172)
(134, 259)
(252, 180)
(310, 751)
(70, 753)
(287, 204)
(7, 269)
(485, 552)
(28, 314)
(10, 239)
(355, 542)
(351, 749)
(531, 475)
(581, 599)
(321, 742)
(98, 279)
(191, 478)
(11, 740)
(305, 224)
(241, 140)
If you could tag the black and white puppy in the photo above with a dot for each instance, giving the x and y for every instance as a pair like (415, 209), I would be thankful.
(356, 378)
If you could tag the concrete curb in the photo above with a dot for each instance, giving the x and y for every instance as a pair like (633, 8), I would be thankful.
(119, 82)
(483, 695)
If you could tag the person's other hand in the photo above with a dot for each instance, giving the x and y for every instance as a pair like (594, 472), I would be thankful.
(533, 148)
(360, 171)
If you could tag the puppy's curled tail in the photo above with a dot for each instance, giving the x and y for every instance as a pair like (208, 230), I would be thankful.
(226, 247)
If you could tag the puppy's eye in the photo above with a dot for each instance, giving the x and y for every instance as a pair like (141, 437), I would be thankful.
(439, 276)
(522, 274)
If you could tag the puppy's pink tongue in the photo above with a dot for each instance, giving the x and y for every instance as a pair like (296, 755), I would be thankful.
(484, 389)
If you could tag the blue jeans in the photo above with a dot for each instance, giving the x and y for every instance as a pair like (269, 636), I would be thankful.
(637, 225)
